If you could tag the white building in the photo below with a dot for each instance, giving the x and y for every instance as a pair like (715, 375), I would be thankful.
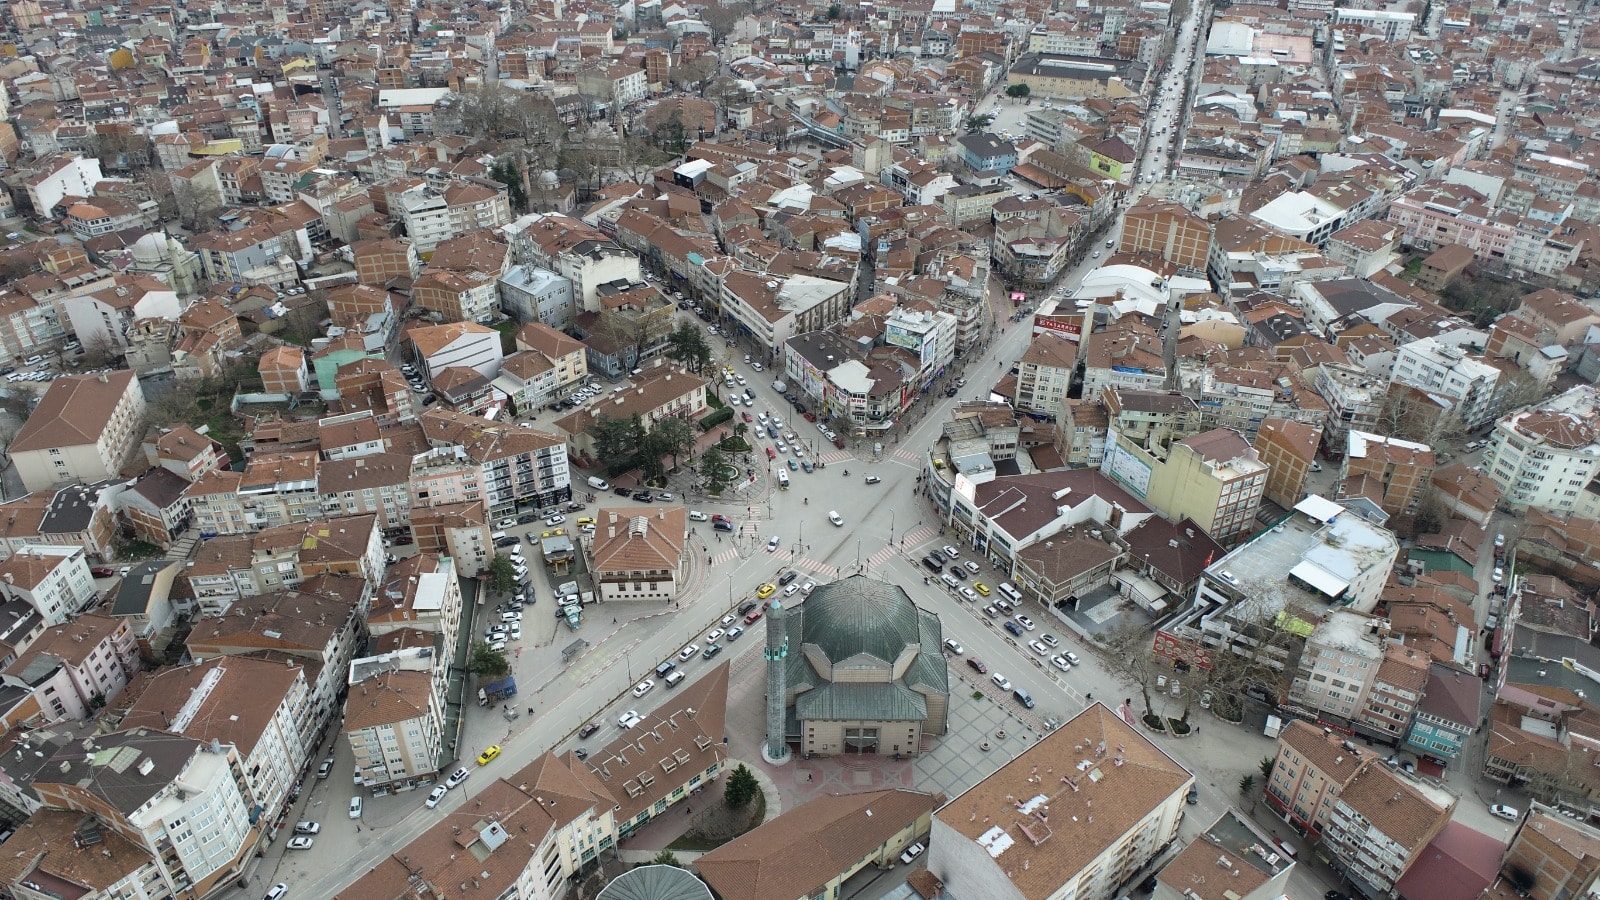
(1303, 215)
(1393, 26)
(439, 347)
(53, 580)
(1465, 383)
(1544, 457)
(1338, 665)
(930, 335)
(394, 716)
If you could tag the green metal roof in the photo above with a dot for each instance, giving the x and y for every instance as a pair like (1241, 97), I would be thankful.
(851, 702)
(860, 615)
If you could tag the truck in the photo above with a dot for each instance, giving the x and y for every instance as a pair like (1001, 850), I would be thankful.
(566, 587)
(573, 613)
(496, 691)
(1274, 726)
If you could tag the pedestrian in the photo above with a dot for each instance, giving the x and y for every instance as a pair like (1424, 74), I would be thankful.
(613, 620)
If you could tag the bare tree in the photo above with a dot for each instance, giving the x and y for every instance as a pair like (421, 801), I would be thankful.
(1410, 415)
(195, 203)
(693, 74)
(1129, 657)
(723, 17)
(1516, 390)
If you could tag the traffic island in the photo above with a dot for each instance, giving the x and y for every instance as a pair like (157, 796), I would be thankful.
(1179, 728)
(1155, 723)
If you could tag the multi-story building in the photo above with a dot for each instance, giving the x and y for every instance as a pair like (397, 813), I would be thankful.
(1390, 472)
(379, 260)
(1436, 216)
(1320, 557)
(1447, 714)
(776, 310)
(84, 429)
(72, 669)
(394, 717)
(1465, 384)
(1546, 456)
(376, 484)
(1170, 231)
(532, 294)
(639, 554)
(584, 256)
(1311, 766)
(418, 593)
(1355, 399)
(1044, 373)
(1150, 420)
(182, 804)
(1288, 449)
(1380, 823)
(53, 580)
(996, 840)
(1549, 848)
(659, 392)
(457, 296)
(1215, 478)
(521, 467)
(433, 217)
(1236, 847)
(261, 706)
(1338, 664)
(928, 334)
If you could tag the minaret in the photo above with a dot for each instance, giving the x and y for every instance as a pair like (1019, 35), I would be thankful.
(777, 654)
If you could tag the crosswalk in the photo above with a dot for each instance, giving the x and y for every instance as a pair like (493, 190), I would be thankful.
(905, 455)
(725, 556)
(917, 535)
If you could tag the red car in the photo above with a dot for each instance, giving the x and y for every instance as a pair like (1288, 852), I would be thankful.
(588, 729)
(771, 453)
(748, 417)
(102, 571)
(752, 617)
(977, 664)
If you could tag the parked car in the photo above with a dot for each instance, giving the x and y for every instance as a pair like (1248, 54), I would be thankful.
(1502, 811)
(307, 827)
(912, 852)
(976, 665)
(588, 729)
(456, 777)
(435, 795)
(355, 807)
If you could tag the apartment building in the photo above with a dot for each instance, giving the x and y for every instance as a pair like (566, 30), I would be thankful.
(1150, 420)
(1391, 472)
(379, 260)
(1338, 664)
(457, 296)
(1465, 383)
(377, 484)
(432, 217)
(1380, 823)
(73, 668)
(261, 707)
(394, 717)
(1288, 449)
(532, 294)
(1545, 456)
(85, 428)
(418, 593)
(928, 334)
(1355, 400)
(521, 467)
(180, 803)
(1554, 848)
(639, 553)
(1310, 768)
(54, 580)
(1234, 851)
(1121, 795)
(584, 256)
(1170, 231)
(1044, 373)
(1215, 478)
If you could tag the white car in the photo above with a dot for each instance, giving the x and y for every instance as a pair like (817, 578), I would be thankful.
(355, 807)
(714, 635)
(1038, 648)
(954, 646)
(968, 595)
(951, 551)
(1499, 574)
(644, 687)
(912, 852)
(1061, 663)
(1002, 682)
(457, 777)
(1502, 811)
(553, 521)
(808, 587)
(729, 619)
(835, 518)
(688, 652)
(301, 843)
(1072, 658)
(629, 719)
(1025, 622)
(772, 545)
(696, 515)
(435, 795)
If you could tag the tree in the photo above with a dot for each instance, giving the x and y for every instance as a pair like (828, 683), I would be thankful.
(675, 436)
(615, 441)
(1265, 765)
(669, 136)
(1255, 661)
(692, 74)
(1410, 414)
(485, 662)
(721, 18)
(1245, 784)
(194, 203)
(501, 575)
(1018, 91)
(1129, 658)
(506, 172)
(687, 345)
(713, 470)
(1516, 390)
(666, 858)
(483, 113)
(977, 123)
(741, 788)
(834, 11)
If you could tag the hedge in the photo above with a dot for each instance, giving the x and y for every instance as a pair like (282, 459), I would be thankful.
(712, 420)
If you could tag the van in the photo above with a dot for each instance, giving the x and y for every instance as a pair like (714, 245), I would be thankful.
(497, 536)
(783, 480)
(1023, 697)
(1009, 592)
(599, 484)
(674, 677)
(665, 669)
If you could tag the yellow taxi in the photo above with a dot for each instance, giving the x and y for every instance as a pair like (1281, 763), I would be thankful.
(766, 590)
(486, 756)
(585, 520)
(981, 588)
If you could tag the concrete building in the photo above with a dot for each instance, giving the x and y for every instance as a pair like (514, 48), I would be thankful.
(532, 294)
(394, 716)
(1288, 449)
(1546, 456)
(180, 803)
(811, 850)
(867, 672)
(520, 466)
(1112, 801)
(85, 428)
(1464, 384)
(53, 580)
(1380, 823)
(1553, 852)
(1338, 664)
(438, 347)
(1215, 478)
(1355, 399)
(639, 553)
(1232, 859)
(1044, 373)
(1170, 231)
(1390, 472)
(1319, 558)
(70, 670)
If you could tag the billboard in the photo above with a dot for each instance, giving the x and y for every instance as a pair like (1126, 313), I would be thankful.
(1121, 464)
(900, 337)
(1069, 327)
